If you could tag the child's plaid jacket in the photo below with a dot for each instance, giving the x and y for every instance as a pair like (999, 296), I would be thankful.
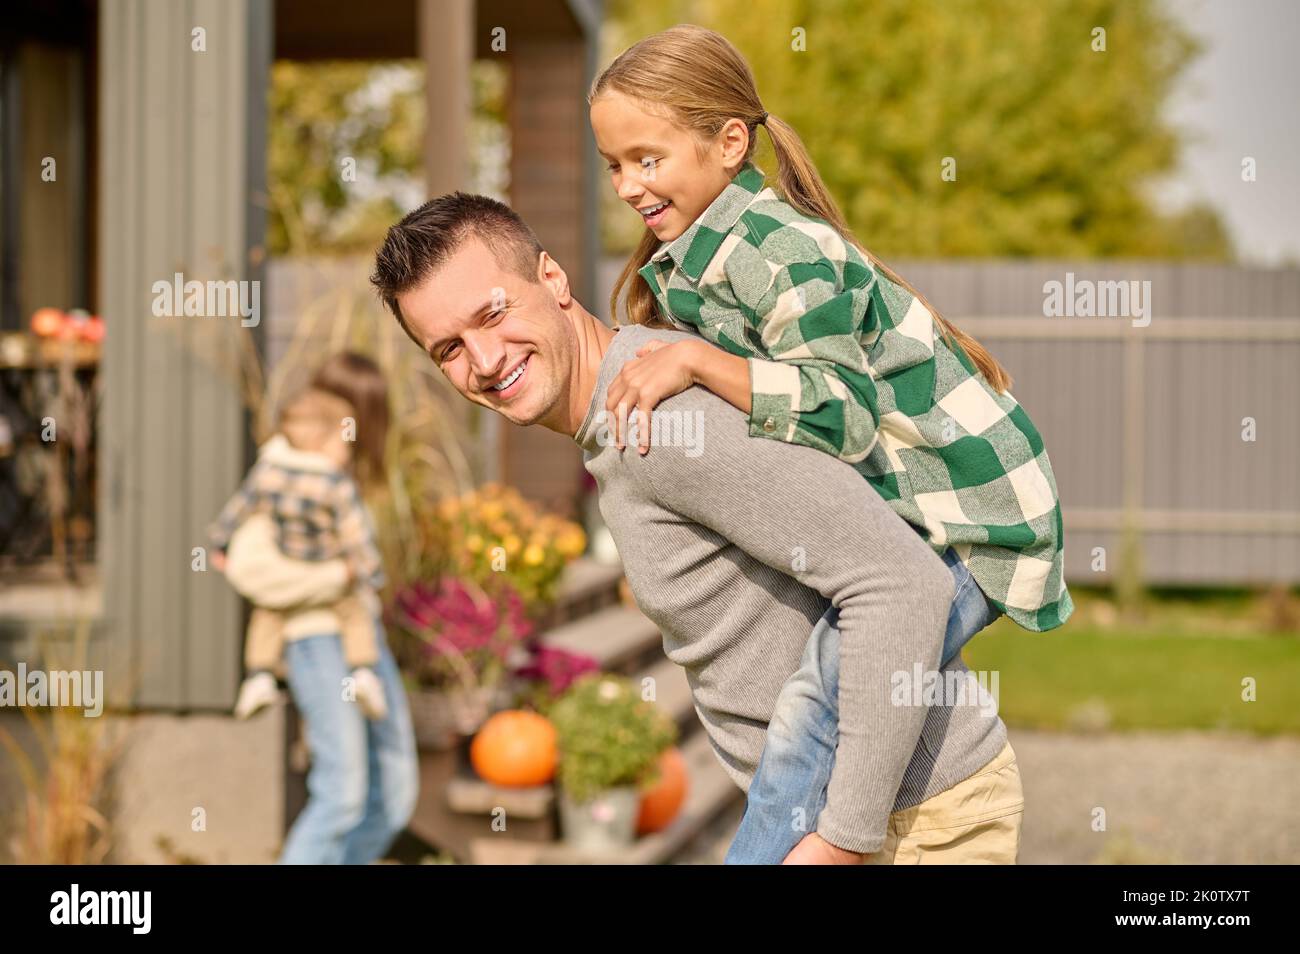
(845, 361)
(316, 508)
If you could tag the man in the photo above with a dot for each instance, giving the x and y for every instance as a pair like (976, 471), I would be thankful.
(735, 546)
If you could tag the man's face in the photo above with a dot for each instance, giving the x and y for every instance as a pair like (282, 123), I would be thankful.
(502, 341)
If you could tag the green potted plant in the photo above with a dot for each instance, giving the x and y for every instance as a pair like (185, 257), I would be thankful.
(609, 740)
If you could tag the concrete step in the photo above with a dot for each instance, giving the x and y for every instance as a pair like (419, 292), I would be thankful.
(471, 795)
(618, 637)
(585, 577)
(586, 586)
(710, 791)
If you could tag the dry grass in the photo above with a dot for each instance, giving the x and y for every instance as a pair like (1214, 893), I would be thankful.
(65, 789)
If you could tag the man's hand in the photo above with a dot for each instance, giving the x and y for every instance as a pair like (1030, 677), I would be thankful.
(813, 849)
(658, 371)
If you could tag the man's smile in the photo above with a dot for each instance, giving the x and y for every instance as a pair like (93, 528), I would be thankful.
(509, 385)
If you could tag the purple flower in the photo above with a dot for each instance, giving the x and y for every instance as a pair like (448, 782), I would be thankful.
(453, 617)
(557, 668)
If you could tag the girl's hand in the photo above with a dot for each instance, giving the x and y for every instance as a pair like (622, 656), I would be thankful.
(218, 561)
(658, 371)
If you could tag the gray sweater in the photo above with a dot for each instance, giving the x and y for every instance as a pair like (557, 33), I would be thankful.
(735, 546)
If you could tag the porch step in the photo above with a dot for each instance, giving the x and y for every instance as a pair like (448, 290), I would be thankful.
(586, 586)
(618, 637)
(711, 790)
(593, 617)
(471, 795)
(585, 578)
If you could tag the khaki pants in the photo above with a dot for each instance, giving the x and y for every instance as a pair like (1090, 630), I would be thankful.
(264, 643)
(977, 821)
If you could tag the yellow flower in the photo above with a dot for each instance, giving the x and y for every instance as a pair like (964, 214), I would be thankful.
(511, 543)
(534, 555)
(571, 541)
(474, 543)
(492, 510)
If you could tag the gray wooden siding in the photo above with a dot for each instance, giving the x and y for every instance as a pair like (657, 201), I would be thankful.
(1151, 417)
(175, 193)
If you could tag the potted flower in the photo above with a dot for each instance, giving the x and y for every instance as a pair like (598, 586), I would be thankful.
(548, 673)
(610, 740)
(458, 645)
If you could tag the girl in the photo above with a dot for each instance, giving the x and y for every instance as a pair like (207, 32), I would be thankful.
(821, 345)
(304, 479)
(364, 778)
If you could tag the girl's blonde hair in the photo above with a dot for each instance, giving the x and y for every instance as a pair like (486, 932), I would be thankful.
(702, 81)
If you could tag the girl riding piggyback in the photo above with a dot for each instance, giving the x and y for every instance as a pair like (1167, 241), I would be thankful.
(820, 344)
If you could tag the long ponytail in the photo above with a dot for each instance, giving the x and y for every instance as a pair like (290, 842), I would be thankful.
(803, 188)
(642, 308)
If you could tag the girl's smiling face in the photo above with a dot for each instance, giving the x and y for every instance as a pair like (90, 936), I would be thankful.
(664, 171)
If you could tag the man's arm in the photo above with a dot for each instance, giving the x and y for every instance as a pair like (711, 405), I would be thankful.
(260, 573)
(815, 518)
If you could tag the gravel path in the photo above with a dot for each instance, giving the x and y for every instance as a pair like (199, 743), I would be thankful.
(1169, 798)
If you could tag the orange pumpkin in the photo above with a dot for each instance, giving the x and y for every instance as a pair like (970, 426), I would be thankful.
(47, 322)
(93, 329)
(515, 748)
(660, 805)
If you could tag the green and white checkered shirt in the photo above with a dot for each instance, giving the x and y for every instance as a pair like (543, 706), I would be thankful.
(846, 361)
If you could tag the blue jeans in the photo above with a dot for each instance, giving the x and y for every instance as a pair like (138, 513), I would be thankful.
(788, 791)
(364, 776)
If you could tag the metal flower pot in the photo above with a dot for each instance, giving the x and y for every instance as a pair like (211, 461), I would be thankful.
(604, 824)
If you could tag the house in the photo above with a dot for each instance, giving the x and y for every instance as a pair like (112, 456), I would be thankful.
(154, 114)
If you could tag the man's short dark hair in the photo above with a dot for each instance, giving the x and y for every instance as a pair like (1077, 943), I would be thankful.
(427, 237)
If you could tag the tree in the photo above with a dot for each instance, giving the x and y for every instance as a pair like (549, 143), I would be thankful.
(1054, 141)
(345, 155)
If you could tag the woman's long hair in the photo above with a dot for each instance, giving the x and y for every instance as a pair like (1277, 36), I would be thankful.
(703, 81)
(359, 381)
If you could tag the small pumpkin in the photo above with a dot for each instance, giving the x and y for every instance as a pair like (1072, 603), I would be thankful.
(92, 330)
(515, 748)
(660, 805)
(47, 322)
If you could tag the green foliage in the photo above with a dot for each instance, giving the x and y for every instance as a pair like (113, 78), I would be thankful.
(1056, 145)
(608, 735)
(321, 115)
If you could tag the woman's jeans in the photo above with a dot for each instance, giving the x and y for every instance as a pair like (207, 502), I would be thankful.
(363, 781)
(788, 791)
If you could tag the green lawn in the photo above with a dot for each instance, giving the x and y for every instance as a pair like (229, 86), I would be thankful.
(1162, 677)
